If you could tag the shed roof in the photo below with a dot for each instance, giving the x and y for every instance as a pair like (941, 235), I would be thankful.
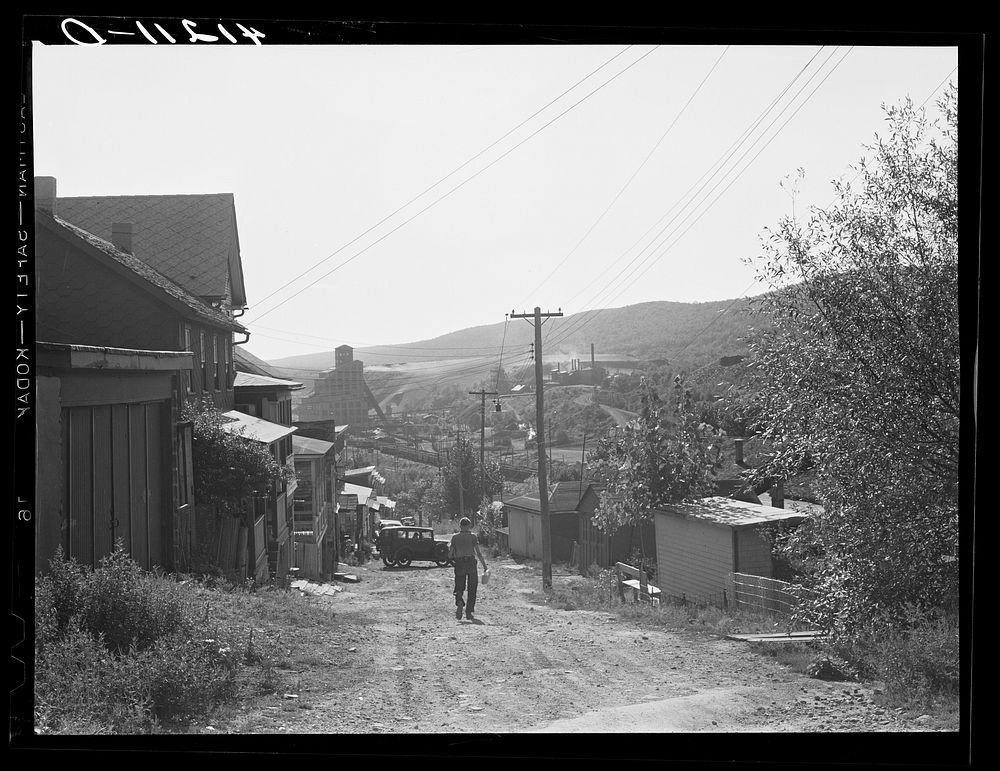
(564, 499)
(251, 380)
(731, 512)
(306, 445)
(363, 493)
(190, 238)
(255, 428)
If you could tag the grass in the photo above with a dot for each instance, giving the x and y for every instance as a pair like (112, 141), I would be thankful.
(122, 651)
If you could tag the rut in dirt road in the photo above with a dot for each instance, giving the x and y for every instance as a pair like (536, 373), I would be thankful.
(523, 665)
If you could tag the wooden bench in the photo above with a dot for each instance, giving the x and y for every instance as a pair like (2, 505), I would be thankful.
(636, 583)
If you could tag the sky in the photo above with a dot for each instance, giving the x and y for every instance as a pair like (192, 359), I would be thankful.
(581, 176)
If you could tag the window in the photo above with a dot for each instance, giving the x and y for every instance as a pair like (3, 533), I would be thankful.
(216, 379)
(230, 377)
(186, 375)
(204, 366)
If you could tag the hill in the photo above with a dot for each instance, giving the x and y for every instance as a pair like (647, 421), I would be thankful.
(687, 334)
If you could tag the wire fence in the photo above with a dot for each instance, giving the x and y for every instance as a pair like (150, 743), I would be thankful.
(767, 595)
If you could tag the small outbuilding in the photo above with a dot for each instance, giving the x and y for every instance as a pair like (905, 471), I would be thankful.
(700, 545)
(524, 520)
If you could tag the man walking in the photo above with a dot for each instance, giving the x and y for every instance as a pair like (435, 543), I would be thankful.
(463, 551)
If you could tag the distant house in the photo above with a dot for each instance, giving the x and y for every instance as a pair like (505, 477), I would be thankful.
(115, 369)
(360, 522)
(271, 512)
(700, 545)
(316, 525)
(270, 399)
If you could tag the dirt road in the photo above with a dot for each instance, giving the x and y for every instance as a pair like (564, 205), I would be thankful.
(387, 655)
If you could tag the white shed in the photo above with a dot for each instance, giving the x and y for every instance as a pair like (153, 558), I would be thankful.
(700, 545)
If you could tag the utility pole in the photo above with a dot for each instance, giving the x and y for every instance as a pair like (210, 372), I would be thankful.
(543, 485)
(482, 444)
(461, 492)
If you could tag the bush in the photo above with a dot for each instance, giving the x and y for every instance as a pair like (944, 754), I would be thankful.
(919, 662)
(118, 649)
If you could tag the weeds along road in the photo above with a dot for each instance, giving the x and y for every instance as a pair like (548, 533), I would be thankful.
(387, 655)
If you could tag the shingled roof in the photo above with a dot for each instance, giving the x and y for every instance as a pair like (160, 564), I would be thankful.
(191, 239)
(153, 279)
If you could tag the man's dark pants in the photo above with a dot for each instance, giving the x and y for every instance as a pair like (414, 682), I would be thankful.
(466, 573)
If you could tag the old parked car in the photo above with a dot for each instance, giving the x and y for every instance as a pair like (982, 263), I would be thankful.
(402, 545)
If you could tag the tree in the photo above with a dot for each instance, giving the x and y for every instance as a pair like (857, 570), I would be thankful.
(858, 376)
(661, 457)
(413, 501)
(229, 468)
(463, 471)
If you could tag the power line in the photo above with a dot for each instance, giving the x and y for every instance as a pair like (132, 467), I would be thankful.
(651, 260)
(500, 360)
(938, 87)
(449, 174)
(402, 346)
(706, 177)
(460, 185)
(631, 178)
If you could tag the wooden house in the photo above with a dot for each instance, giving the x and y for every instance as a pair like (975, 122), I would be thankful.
(316, 525)
(193, 241)
(700, 545)
(268, 543)
(114, 372)
(270, 399)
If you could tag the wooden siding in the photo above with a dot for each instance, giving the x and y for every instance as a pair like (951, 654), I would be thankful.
(116, 477)
(526, 534)
(694, 558)
(50, 487)
(518, 524)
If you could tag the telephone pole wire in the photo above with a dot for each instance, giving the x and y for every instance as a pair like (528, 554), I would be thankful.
(543, 485)
(482, 445)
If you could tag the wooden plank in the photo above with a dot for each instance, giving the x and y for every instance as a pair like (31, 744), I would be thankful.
(105, 526)
(156, 489)
(794, 637)
(120, 474)
(79, 513)
(635, 585)
(139, 483)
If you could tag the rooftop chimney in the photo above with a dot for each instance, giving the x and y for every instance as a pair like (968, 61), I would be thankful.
(778, 495)
(121, 235)
(45, 194)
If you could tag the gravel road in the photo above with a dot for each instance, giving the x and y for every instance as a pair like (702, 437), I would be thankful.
(392, 658)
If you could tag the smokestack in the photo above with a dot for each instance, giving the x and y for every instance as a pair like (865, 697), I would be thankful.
(121, 235)
(45, 194)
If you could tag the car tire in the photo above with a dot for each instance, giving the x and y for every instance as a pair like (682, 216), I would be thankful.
(389, 563)
(403, 558)
(442, 563)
